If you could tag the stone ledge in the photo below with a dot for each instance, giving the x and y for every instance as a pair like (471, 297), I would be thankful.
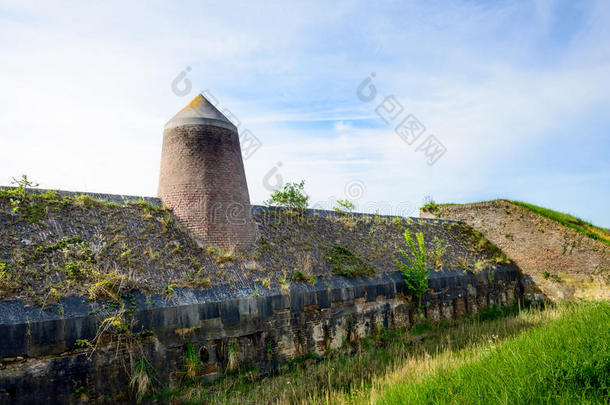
(33, 331)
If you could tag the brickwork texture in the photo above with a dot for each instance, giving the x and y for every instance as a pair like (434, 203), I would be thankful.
(203, 181)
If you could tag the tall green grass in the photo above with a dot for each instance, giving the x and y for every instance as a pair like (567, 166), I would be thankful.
(503, 356)
(570, 221)
(565, 362)
(560, 349)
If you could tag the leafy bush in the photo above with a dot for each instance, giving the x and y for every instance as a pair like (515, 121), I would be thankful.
(292, 196)
(414, 269)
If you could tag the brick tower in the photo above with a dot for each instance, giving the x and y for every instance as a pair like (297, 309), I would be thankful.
(202, 176)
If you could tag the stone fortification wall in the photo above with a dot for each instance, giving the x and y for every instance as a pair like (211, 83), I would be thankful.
(228, 328)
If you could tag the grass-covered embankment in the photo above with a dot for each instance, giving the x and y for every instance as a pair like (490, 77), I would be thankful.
(570, 221)
(561, 354)
(567, 361)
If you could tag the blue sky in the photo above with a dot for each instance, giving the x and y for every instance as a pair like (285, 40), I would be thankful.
(517, 92)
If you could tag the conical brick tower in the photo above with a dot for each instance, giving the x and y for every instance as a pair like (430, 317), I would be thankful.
(202, 176)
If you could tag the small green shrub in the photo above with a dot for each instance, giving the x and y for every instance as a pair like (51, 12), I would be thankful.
(292, 196)
(344, 262)
(106, 285)
(28, 205)
(8, 281)
(397, 223)
(414, 268)
(73, 270)
(80, 391)
(497, 312)
(344, 206)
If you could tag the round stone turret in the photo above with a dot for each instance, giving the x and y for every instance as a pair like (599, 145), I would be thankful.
(202, 176)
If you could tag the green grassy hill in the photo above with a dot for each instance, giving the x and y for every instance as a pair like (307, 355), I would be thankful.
(570, 221)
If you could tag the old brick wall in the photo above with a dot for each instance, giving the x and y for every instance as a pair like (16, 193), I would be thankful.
(574, 264)
(203, 181)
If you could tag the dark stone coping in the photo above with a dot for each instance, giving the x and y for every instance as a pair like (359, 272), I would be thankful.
(255, 209)
(33, 331)
(116, 198)
(261, 209)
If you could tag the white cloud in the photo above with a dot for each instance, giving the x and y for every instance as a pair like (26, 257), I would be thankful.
(86, 91)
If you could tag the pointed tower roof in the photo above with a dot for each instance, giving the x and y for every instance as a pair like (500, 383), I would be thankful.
(200, 112)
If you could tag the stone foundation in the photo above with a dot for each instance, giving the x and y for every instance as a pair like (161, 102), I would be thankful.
(229, 329)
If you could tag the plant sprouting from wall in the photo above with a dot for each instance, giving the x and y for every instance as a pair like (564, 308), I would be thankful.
(292, 196)
(344, 207)
(23, 202)
(233, 359)
(141, 379)
(192, 363)
(413, 266)
(437, 253)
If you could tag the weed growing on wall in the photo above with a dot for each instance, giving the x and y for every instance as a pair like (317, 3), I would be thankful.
(23, 202)
(221, 255)
(344, 206)
(346, 263)
(192, 363)
(437, 253)
(414, 266)
(141, 379)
